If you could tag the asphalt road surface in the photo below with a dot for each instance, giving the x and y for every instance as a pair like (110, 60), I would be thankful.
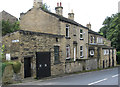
(103, 77)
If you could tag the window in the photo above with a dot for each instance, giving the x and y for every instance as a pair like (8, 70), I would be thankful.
(81, 51)
(94, 40)
(91, 40)
(106, 52)
(81, 34)
(99, 40)
(56, 54)
(67, 52)
(92, 52)
(67, 30)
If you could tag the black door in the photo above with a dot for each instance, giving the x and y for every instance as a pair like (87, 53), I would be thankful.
(103, 64)
(43, 64)
(27, 67)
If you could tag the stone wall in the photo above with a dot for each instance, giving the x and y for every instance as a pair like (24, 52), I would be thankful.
(9, 76)
(91, 64)
(32, 42)
(77, 66)
(73, 67)
(39, 21)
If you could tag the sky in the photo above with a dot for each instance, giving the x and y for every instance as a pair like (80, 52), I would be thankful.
(93, 11)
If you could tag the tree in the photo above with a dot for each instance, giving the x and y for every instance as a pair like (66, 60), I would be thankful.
(8, 27)
(111, 30)
(46, 7)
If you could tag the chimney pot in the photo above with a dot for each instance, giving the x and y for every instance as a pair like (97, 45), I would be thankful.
(57, 4)
(60, 4)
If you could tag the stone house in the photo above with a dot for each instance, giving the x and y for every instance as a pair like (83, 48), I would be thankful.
(100, 48)
(8, 17)
(49, 44)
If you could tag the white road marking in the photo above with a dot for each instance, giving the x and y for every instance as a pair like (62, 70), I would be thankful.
(115, 75)
(97, 81)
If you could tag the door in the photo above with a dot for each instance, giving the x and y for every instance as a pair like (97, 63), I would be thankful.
(103, 64)
(27, 67)
(43, 65)
(74, 53)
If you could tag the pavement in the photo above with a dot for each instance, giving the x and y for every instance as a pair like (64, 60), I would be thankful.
(102, 77)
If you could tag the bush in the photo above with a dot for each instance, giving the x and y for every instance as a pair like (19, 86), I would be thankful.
(118, 57)
(16, 66)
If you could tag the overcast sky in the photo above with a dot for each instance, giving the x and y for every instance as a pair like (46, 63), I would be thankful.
(93, 11)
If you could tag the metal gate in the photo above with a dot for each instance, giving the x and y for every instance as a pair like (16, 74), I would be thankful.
(27, 67)
(43, 64)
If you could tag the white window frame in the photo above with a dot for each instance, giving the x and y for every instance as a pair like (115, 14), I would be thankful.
(81, 51)
(68, 52)
(92, 54)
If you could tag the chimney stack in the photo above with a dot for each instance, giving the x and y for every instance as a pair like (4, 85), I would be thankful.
(89, 26)
(38, 3)
(59, 9)
(71, 15)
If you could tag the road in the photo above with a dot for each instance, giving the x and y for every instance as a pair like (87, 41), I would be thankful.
(103, 77)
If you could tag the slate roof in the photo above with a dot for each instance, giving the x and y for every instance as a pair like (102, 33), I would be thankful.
(93, 32)
(61, 18)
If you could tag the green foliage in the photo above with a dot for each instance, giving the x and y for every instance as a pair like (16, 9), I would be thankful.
(2, 55)
(8, 27)
(46, 7)
(16, 66)
(118, 57)
(111, 30)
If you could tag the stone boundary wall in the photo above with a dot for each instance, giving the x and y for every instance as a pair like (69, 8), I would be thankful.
(78, 66)
(73, 67)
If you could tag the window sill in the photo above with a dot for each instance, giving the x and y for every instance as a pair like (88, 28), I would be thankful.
(67, 58)
(82, 57)
(81, 39)
(67, 37)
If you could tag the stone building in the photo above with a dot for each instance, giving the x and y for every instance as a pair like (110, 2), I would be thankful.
(50, 44)
(8, 17)
(100, 48)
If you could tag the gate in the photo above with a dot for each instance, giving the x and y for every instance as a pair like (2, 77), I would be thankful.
(27, 67)
(43, 64)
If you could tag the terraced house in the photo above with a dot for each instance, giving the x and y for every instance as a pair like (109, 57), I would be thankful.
(50, 44)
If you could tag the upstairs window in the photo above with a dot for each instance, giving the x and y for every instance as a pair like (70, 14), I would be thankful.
(67, 52)
(67, 31)
(56, 54)
(99, 40)
(81, 51)
(91, 39)
(81, 34)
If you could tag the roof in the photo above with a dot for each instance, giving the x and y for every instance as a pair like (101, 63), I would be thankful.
(7, 16)
(93, 32)
(61, 18)
(39, 33)
(35, 33)
(101, 45)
